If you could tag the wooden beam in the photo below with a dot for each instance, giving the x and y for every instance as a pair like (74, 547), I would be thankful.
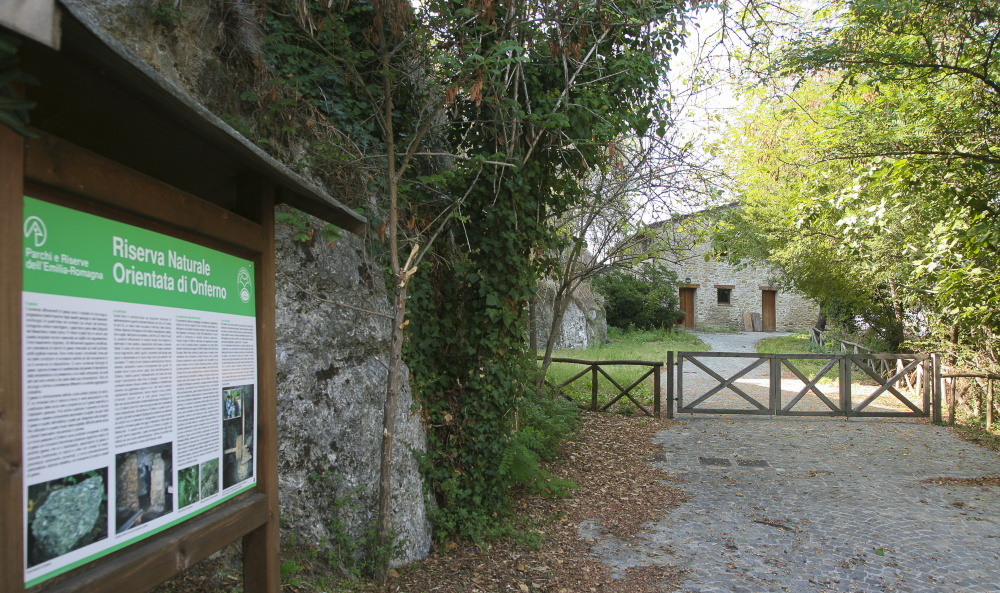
(656, 391)
(58, 164)
(327, 212)
(11, 473)
(593, 388)
(937, 388)
(261, 562)
(150, 563)
(989, 403)
(647, 363)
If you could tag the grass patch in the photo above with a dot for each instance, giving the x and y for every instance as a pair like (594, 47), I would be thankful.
(720, 330)
(800, 344)
(649, 345)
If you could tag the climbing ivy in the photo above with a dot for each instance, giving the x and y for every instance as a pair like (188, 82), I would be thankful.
(534, 92)
(13, 107)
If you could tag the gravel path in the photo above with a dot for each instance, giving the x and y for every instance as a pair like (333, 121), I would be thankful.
(807, 504)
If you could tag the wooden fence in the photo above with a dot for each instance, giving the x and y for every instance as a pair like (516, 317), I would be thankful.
(954, 397)
(884, 367)
(961, 398)
(594, 367)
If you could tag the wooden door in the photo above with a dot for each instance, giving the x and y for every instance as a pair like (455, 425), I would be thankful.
(687, 305)
(767, 310)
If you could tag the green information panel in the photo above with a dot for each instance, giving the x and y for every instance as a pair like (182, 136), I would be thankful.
(75, 254)
(139, 374)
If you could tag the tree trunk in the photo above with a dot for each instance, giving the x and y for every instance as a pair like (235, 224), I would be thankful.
(954, 348)
(533, 324)
(384, 521)
(384, 526)
(899, 329)
(821, 321)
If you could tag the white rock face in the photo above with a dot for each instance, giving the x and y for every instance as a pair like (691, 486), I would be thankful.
(331, 393)
(331, 385)
(583, 325)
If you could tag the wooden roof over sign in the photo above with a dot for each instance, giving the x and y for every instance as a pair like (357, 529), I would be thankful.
(98, 95)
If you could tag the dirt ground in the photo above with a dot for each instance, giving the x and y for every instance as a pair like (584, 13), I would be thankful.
(608, 459)
(618, 488)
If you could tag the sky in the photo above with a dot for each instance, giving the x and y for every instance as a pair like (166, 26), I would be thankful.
(703, 98)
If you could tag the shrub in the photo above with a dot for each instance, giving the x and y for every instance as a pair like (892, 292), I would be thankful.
(646, 298)
(550, 420)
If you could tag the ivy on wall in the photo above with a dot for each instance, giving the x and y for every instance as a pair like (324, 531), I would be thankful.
(466, 347)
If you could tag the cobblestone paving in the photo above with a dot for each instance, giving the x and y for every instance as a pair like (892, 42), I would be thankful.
(832, 494)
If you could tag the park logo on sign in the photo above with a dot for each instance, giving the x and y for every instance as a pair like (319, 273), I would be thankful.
(34, 226)
(244, 284)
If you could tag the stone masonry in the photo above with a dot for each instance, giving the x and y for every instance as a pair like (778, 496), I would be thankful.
(793, 311)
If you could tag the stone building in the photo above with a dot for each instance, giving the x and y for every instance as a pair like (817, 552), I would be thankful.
(717, 294)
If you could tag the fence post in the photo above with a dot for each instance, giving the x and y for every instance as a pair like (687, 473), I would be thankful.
(593, 388)
(989, 401)
(656, 390)
(952, 402)
(925, 386)
(670, 384)
(679, 380)
(845, 384)
(775, 384)
(936, 364)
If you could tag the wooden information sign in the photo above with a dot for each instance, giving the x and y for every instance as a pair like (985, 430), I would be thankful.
(138, 420)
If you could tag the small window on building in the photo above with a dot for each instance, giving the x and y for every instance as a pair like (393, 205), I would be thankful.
(724, 294)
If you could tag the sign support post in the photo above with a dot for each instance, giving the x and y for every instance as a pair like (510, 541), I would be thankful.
(261, 562)
(11, 190)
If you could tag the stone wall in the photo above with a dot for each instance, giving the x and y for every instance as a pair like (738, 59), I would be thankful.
(331, 383)
(793, 311)
(332, 386)
(583, 325)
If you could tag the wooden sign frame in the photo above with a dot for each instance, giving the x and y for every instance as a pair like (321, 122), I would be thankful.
(120, 141)
(55, 171)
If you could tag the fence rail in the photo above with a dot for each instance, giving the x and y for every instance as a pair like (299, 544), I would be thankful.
(921, 374)
(818, 337)
(594, 367)
(940, 384)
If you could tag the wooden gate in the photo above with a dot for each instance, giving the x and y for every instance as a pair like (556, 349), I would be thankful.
(768, 397)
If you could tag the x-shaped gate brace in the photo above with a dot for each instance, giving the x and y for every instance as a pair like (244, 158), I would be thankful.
(810, 385)
(774, 407)
(725, 383)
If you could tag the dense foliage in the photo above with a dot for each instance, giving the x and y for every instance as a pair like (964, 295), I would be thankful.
(644, 299)
(13, 107)
(469, 126)
(867, 163)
